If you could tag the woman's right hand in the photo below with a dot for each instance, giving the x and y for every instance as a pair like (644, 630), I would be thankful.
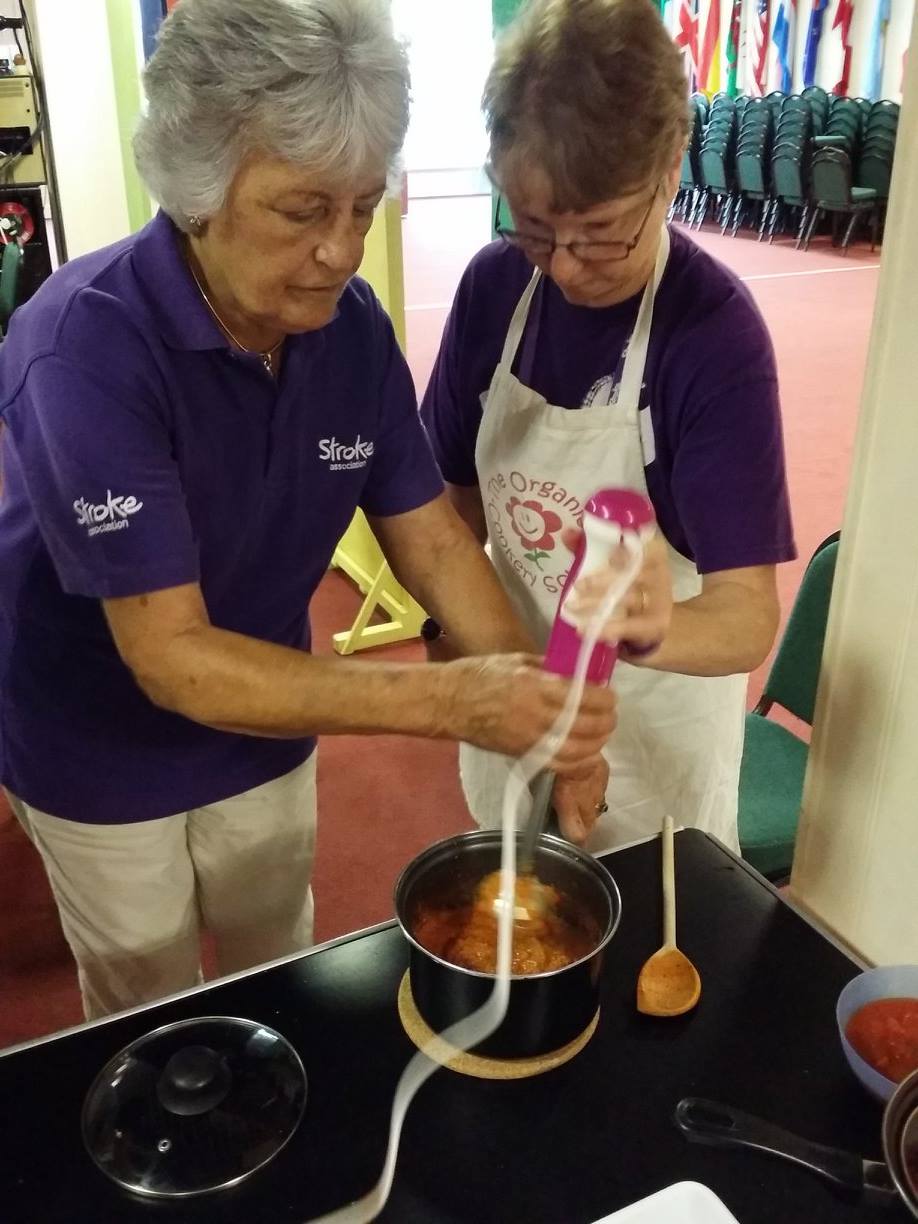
(505, 703)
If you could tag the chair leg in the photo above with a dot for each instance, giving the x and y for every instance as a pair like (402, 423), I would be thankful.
(738, 213)
(874, 228)
(849, 231)
(801, 229)
(702, 210)
(767, 206)
(817, 212)
(773, 224)
(727, 215)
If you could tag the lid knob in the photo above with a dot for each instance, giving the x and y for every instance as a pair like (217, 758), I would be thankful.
(194, 1080)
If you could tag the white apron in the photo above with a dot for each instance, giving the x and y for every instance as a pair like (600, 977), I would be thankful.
(679, 739)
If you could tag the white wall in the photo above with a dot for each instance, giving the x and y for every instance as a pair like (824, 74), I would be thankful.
(449, 46)
(856, 863)
(9, 8)
(77, 68)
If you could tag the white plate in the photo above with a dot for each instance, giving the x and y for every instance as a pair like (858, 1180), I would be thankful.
(684, 1203)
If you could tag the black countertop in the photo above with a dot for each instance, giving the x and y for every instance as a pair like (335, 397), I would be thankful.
(567, 1147)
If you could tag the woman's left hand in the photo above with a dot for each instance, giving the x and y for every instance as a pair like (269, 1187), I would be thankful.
(641, 621)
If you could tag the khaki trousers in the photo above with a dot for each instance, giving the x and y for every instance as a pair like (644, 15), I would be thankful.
(133, 897)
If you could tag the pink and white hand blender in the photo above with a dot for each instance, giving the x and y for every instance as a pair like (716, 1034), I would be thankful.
(614, 520)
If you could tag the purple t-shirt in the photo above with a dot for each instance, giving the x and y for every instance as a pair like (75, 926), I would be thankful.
(141, 451)
(717, 479)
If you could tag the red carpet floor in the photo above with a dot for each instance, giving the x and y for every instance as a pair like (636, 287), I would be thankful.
(382, 800)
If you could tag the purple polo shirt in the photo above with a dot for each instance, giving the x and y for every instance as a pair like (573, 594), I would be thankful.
(716, 473)
(141, 451)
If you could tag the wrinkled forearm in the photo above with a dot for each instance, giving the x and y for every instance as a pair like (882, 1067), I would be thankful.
(236, 683)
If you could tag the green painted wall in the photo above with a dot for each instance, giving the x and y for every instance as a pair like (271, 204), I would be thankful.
(503, 12)
(126, 74)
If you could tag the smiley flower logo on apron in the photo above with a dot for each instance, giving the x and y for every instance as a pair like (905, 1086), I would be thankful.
(536, 527)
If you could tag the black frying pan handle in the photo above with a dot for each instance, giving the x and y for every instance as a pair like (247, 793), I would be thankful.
(704, 1121)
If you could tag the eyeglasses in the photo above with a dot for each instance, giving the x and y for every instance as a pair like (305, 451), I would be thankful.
(536, 246)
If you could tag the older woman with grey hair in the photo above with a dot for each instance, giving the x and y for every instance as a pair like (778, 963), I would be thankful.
(192, 417)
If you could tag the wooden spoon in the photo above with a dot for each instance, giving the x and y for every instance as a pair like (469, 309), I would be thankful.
(668, 984)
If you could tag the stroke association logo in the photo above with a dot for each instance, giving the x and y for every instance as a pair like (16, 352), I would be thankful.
(111, 515)
(343, 457)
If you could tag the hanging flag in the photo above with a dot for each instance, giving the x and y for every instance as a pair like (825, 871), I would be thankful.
(842, 23)
(873, 69)
(813, 35)
(152, 13)
(783, 37)
(733, 47)
(757, 48)
(709, 61)
(687, 38)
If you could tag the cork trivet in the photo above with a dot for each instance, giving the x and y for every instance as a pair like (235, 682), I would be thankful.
(474, 1064)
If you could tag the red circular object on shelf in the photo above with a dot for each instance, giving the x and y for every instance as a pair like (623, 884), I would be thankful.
(16, 224)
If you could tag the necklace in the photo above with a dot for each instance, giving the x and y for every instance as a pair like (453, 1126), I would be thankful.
(267, 356)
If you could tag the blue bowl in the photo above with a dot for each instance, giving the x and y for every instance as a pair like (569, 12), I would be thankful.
(885, 982)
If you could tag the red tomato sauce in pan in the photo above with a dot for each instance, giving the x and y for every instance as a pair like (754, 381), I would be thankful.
(885, 1034)
(552, 936)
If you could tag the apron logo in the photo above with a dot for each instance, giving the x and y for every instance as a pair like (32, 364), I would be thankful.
(535, 526)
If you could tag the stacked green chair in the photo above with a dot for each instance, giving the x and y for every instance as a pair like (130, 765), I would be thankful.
(874, 170)
(833, 191)
(844, 126)
(717, 163)
(790, 170)
(775, 100)
(875, 162)
(753, 154)
(699, 101)
(774, 759)
(686, 200)
(819, 107)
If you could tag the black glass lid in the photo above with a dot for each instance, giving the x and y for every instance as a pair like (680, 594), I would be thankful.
(194, 1106)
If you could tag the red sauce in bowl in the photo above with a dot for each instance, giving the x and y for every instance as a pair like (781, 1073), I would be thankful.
(885, 1034)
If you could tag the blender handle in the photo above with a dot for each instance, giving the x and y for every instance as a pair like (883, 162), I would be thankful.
(607, 516)
(703, 1121)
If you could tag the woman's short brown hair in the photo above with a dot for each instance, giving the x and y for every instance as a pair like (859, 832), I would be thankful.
(593, 92)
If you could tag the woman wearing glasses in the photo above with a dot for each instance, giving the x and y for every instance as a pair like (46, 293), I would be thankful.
(594, 347)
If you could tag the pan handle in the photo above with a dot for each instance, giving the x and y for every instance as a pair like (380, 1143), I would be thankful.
(704, 1121)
